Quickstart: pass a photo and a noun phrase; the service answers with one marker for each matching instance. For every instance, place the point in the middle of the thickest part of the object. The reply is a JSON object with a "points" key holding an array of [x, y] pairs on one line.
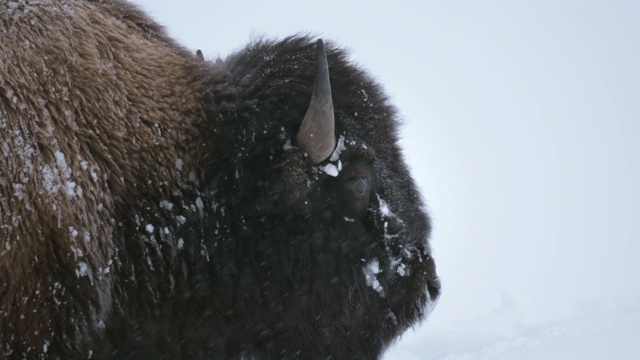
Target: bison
{"points": [[155, 205]]}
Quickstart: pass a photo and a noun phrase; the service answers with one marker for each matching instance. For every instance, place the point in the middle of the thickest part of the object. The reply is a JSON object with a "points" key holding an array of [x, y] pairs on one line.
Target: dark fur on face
{"points": [[159, 207]]}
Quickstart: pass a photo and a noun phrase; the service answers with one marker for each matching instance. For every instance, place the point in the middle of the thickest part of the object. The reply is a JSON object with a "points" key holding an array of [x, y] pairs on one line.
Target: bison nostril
{"points": [[434, 287]]}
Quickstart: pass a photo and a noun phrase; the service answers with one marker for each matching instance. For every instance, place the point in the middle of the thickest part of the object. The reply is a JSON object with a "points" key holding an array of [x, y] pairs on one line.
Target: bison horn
{"points": [[316, 135]]}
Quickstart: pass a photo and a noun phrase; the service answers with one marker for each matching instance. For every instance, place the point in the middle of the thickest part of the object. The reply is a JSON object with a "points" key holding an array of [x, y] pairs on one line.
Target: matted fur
{"points": [[89, 90], [152, 204]]}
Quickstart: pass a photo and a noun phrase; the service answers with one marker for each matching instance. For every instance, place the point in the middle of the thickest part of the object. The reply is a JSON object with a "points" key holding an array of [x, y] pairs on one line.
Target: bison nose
{"points": [[433, 288], [433, 284]]}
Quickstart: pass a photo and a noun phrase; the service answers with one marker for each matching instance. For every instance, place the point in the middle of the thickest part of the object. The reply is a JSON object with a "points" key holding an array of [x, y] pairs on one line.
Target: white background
{"points": [[522, 127]]}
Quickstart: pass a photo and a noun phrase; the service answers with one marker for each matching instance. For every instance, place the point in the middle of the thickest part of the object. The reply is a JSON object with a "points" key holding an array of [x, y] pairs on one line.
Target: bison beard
{"points": [[154, 205]]}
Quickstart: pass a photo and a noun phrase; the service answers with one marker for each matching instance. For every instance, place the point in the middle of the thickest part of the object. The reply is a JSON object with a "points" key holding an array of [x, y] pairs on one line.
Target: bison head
{"points": [[315, 204]]}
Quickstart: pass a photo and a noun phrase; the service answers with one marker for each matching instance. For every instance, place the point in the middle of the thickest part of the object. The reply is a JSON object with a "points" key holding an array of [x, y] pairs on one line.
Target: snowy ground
{"points": [[607, 330]]}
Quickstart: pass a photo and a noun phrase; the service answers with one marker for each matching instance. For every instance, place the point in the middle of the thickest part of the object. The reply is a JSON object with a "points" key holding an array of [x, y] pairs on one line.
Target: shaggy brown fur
{"points": [[86, 90]]}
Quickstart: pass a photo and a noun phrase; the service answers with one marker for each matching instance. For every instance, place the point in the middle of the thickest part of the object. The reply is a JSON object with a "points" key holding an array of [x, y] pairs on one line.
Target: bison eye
{"points": [[357, 182], [360, 186]]}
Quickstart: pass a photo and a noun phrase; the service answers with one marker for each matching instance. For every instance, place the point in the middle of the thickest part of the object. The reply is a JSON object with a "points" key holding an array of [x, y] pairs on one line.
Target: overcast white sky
{"points": [[522, 128]]}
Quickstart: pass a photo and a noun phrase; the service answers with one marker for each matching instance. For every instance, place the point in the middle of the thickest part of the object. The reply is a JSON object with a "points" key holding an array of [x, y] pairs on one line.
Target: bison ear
{"points": [[199, 55], [316, 135]]}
